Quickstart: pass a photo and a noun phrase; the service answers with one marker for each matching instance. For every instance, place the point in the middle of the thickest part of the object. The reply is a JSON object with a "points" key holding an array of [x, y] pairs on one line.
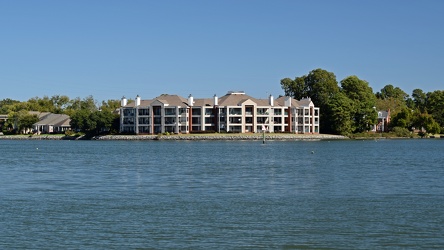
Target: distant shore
{"points": [[189, 137]]}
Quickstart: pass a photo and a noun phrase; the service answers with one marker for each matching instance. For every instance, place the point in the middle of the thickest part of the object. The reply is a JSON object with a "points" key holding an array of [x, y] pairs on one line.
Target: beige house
{"points": [[233, 112], [51, 123]]}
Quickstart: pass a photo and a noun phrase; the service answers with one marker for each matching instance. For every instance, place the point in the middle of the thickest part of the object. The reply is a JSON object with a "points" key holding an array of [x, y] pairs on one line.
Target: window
{"points": [[157, 120], [195, 120], [183, 119], [277, 111], [144, 112], [144, 129], [170, 111], [236, 129], [157, 129], [144, 120], [262, 120], [236, 120], [170, 120], [182, 111], [157, 110], [235, 111], [196, 111], [128, 112], [208, 111], [277, 120], [209, 120], [128, 120], [128, 129], [262, 111]]}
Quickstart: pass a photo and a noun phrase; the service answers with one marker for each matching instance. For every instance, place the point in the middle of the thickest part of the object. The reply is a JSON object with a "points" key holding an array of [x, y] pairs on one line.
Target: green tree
{"points": [[340, 112], [21, 120], [44, 104], [320, 85], [435, 106], [80, 120], [76, 104], [363, 100], [60, 103], [294, 88], [403, 119], [391, 98], [420, 99], [103, 120], [6, 104], [426, 121], [110, 105]]}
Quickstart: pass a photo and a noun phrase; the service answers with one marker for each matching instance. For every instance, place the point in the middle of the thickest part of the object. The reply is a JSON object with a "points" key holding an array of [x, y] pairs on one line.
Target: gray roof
{"points": [[382, 114], [55, 120]]}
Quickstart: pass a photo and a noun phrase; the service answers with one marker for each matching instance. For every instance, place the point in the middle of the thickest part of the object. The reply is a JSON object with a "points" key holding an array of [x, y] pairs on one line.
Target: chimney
{"points": [[123, 102], [287, 102], [216, 100], [190, 100], [137, 100], [271, 100]]}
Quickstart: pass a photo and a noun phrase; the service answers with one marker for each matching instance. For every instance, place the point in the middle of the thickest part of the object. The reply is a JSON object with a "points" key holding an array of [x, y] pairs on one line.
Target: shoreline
{"points": [[186, 137]]}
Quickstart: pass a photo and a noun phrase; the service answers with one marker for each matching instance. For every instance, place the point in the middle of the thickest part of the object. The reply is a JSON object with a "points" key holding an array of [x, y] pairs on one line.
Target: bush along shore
{"points": [[189, 137]]}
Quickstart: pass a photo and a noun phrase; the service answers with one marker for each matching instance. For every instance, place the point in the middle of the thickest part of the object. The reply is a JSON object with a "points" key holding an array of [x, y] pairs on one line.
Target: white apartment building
{"points": [[233, 112]]}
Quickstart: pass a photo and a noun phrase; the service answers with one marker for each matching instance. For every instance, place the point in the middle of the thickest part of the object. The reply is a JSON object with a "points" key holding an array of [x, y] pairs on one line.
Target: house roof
{"points": [[383, 114], [54, 119], [173, 100], [230, 99], [235, 99], [204, 102]]}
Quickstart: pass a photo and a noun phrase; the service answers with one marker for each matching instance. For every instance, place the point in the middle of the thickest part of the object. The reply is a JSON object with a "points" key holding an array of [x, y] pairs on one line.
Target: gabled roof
{"points": [[55, 120], [171, 100], [143, 103], [305, 102], [204, 102], [235, 99]]}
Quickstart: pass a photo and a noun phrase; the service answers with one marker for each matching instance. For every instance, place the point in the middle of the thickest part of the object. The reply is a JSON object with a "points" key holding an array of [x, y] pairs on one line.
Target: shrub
{"points": [[69, 133], [401, 132]]}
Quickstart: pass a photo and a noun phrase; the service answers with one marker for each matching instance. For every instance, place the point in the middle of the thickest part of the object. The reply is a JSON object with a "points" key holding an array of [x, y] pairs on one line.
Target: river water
{"points": [[222, 194]]}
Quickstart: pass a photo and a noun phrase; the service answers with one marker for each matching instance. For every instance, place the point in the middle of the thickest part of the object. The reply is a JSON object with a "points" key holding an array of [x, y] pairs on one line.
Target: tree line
{"points": [[351, 106], [347, 107], [86, 115]]}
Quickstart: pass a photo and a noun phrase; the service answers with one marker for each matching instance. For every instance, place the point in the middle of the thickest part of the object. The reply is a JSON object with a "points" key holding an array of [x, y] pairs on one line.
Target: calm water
{"points": [[224, 195]]}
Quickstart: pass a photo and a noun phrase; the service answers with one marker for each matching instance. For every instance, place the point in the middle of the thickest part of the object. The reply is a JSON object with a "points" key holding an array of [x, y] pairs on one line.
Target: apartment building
{"points": [[233, 112]]}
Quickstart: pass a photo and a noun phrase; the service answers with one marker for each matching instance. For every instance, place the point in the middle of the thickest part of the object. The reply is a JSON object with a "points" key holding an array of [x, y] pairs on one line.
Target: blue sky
{"points": [[108, 49]]}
